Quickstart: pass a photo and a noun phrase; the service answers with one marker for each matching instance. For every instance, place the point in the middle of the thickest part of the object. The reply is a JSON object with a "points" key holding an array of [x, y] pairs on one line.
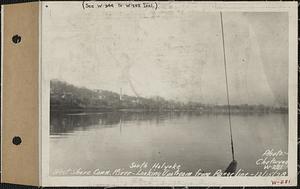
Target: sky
{"points": [[172, 53]]}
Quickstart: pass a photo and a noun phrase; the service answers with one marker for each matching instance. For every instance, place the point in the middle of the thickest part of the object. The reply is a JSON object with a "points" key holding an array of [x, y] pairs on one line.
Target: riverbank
{"points": [[204, 111]]}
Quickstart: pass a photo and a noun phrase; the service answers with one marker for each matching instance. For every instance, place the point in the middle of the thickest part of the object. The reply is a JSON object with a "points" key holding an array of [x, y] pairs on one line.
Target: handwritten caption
{"points": [[273, 160], [273, 163], [111, 5]]}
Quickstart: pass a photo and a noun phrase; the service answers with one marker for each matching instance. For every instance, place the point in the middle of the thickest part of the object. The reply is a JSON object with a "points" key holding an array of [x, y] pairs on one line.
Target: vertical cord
{"points": [[227, 91]]}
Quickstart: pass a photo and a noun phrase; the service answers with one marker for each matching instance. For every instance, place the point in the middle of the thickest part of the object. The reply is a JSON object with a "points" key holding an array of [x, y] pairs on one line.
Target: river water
{"points": [[194, 141]]}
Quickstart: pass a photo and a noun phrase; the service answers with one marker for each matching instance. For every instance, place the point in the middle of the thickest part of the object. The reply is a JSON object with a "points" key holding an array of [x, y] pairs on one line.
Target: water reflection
{"points": [[114, 140], [62, 123]]}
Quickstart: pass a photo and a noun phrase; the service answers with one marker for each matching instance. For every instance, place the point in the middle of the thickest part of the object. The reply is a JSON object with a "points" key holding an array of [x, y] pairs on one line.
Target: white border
{"points": [[2, 51], [291, 8], [39, 95]]}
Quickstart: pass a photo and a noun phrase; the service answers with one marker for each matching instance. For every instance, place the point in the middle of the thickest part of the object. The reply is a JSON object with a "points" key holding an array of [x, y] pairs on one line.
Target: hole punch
{"points": [[16, 39], [17, 140]]}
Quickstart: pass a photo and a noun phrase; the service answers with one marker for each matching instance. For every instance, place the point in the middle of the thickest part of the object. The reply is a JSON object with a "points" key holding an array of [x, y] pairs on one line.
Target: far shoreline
{"points": [[141, 110]]}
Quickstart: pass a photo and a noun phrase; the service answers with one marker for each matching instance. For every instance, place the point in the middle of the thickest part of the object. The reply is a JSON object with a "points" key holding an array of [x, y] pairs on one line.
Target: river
{"points": [[113, 140]]}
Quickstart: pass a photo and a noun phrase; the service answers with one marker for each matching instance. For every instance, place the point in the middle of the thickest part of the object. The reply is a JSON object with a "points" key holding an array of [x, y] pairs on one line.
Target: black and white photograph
{"points": [[162, 89]]}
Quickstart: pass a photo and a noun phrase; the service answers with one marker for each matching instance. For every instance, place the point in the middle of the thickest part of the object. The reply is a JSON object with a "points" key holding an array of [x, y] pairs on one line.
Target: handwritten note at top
{"points": [[110, 5]]}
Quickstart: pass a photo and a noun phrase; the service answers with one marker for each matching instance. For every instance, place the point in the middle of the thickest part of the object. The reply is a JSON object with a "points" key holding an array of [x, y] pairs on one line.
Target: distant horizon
{"points": [[149, 97]]}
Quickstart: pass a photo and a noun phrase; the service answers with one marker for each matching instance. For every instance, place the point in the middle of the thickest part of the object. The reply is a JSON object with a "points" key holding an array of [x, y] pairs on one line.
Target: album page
{"points": [[168, 93]]}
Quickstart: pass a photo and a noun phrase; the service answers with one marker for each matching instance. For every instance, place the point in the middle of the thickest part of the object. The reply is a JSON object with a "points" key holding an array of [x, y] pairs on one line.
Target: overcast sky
{"points": [[174, 54]]}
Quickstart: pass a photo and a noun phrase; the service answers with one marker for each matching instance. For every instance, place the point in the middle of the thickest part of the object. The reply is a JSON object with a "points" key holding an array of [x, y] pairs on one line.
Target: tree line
{"points": [[65, 96]]}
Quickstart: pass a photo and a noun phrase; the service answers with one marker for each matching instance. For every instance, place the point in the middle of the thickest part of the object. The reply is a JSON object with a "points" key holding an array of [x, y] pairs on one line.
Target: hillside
{"points": [[67, 97]]}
